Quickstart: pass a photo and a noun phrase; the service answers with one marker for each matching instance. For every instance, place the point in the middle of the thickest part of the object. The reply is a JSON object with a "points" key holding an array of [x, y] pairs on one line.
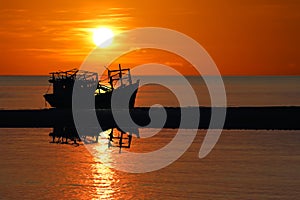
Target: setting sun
{"points": [[103, 37]]}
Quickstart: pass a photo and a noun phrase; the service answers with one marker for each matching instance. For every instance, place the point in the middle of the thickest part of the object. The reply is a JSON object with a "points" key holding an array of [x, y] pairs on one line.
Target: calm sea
{"points": [[262, 164]]}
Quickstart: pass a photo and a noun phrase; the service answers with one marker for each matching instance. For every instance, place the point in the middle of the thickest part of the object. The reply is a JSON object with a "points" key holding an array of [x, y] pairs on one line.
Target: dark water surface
{"points": [[243, 165], [25, 92], [262, 164]]}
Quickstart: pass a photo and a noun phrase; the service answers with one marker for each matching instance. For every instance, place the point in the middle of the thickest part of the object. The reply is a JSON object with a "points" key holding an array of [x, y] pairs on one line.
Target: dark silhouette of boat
{"points": [[118, 82]]}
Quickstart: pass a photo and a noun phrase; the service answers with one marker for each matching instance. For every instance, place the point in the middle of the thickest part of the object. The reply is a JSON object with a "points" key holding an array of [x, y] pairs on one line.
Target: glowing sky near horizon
{"points": [[247, 37]]}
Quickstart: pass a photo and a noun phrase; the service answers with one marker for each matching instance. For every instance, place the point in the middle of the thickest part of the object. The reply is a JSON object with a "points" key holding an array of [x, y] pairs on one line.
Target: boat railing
{"points": [[119, 75], [74, 74]]}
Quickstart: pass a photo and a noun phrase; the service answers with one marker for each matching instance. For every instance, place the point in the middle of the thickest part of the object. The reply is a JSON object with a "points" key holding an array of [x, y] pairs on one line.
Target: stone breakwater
{"points": [[277, 118]]}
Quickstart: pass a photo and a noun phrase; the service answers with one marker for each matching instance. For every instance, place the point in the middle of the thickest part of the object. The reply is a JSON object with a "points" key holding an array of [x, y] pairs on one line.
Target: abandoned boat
{"points": [[119, 83]]}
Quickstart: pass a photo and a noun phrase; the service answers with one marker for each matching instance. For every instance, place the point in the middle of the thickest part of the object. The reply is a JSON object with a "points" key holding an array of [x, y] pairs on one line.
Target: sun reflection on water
{"points": [[105, 179]]}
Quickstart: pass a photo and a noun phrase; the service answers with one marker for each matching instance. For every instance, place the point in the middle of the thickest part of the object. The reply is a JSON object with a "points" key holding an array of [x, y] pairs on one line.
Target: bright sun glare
{"points": [[103, 37]]}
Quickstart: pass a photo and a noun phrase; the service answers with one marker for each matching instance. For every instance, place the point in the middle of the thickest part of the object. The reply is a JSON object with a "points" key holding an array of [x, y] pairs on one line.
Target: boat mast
{"points": [[120, 74]]}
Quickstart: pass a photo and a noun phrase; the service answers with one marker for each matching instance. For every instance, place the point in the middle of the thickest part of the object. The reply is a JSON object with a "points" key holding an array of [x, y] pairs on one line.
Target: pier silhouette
{"points": [[280, 117]]}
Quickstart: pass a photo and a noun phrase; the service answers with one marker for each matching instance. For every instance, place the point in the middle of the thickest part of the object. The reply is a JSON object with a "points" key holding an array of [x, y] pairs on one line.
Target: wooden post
{"points": [[110, 79], [120, 74], [129, 77]]}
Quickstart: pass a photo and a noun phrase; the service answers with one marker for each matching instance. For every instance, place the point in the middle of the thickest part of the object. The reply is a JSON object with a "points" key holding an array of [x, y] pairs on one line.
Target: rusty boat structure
{"points": [[118, 81]]}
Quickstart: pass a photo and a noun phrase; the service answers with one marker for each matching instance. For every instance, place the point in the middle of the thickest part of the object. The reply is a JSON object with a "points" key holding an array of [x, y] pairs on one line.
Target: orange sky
{"points": [[249, 37]]}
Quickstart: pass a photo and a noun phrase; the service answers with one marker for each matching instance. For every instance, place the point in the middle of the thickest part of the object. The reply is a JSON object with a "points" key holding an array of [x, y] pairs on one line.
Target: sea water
{"points": [[244, 164], [26, 92]]}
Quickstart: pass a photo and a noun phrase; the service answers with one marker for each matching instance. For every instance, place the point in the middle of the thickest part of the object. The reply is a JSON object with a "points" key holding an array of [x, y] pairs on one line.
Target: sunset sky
{"points": [[248, 37]]}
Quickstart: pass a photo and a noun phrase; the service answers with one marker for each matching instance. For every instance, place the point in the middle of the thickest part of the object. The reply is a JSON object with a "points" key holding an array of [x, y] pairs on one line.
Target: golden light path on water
{"points": [[104, 178]]}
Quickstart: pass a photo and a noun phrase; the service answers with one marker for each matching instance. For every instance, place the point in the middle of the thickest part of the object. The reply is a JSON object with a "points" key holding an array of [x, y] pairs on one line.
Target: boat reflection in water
{"points": [[65, 134], [102, 180]]}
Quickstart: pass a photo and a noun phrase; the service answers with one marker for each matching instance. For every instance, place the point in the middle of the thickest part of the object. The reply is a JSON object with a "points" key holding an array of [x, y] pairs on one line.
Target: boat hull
{"points": [[102, 101]]}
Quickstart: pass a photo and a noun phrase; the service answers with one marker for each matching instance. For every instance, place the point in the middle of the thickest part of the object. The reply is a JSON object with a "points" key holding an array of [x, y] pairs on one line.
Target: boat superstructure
{"points": [[118, 82]]}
